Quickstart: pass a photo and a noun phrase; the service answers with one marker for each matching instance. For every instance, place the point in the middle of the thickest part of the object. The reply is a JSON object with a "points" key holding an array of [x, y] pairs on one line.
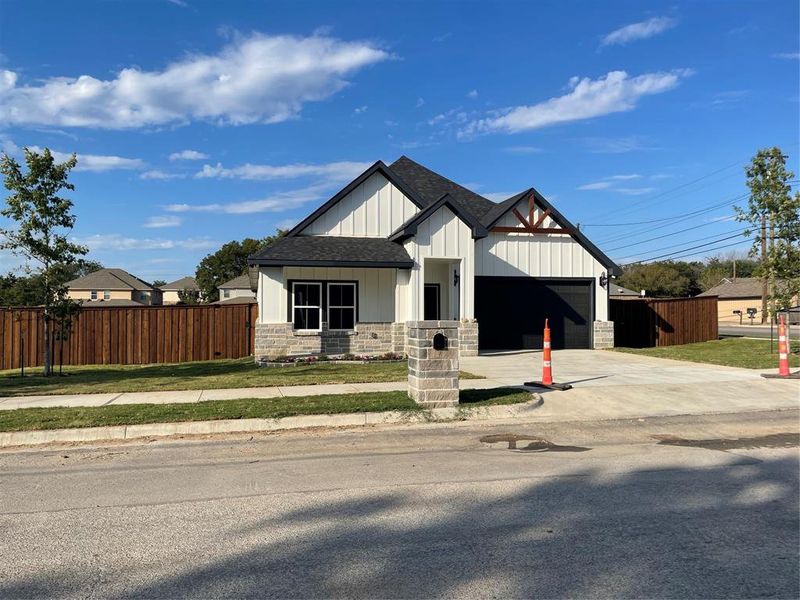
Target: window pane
{"points": [[348, 318], [348, 295], [300, 294], [314, 295], [312, 318], [335, 318], [334, 294]]}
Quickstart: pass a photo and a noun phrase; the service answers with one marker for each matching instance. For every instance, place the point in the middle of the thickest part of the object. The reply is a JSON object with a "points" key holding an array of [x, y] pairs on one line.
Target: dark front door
{"points": [[432, 304], [511, 312]]}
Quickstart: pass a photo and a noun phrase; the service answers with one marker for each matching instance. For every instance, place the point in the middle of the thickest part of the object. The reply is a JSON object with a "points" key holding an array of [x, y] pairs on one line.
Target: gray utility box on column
{"points": [[433, 363]]}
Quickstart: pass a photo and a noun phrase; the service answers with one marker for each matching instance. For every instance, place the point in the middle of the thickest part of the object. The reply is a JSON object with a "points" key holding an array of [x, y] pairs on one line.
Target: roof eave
{"points": [[281, 262]]}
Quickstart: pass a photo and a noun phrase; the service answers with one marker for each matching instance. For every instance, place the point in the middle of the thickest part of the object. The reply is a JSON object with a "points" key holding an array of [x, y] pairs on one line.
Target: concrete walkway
{"points": [[607, 385]]}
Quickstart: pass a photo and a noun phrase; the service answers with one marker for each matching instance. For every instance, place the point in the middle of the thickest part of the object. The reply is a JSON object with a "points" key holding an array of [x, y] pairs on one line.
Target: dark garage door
{"points": [[511, 312]]}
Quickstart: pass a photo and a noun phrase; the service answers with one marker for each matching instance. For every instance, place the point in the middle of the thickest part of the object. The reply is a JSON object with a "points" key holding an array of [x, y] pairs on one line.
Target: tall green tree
{"points": [[28, 290], [43, 220], [773, 217], [228, 262], [658, 279]]}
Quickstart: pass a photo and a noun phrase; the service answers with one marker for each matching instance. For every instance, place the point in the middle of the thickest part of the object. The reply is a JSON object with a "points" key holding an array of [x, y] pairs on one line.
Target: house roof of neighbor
{"points": [[741, 287], [237, 300], [428, 190], [114, 302], [329, 251], [109, 279], [242, 282], [184, 283], [618, 290]]}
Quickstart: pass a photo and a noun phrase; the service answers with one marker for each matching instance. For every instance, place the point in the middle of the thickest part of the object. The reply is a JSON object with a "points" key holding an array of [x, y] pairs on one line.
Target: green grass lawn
{"points": [[732, 352], [28, 419], [204, 375]]}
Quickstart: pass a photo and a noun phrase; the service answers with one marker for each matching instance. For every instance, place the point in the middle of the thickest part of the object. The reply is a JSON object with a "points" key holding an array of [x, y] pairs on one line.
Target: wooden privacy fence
{"points": [[645, 322], [131, 335]]}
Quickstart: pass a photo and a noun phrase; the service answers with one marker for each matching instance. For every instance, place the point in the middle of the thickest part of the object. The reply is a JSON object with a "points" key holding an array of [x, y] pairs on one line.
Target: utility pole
{"points": [[734, 269], [764, 278]]}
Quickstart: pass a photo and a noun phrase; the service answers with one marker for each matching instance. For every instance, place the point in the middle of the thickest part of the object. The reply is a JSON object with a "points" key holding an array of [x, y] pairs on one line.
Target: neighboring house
{"points": [[238, 287], [401, 243], [171, 291], [737, 295], [617, 291], [115, 287]]}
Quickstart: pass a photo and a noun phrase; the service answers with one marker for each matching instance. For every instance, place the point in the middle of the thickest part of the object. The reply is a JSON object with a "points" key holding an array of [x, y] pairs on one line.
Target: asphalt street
{"points": [[678, 507], [757, 331]]}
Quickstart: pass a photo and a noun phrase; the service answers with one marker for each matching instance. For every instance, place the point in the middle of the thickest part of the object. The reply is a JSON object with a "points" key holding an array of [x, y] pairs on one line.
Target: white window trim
{"points": [[319, 308], [354, 305], [106, 294]]}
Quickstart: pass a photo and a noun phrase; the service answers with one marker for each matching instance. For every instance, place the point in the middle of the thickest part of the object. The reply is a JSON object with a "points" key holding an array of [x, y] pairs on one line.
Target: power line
{"points": [[741, 231], [705, 209], [695, 253], [659, 237], [668, 254]]}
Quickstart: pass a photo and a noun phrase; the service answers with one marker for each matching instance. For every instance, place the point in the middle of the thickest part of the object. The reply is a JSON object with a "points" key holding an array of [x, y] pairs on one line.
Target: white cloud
{"points": [[116, 241], [337, 171], [787, 55], [598, 185], [638, 31], [286, 224], [96, 163], [255, 78], [472, 94], [634, 191], [624, 177], [390, 123], [161, 222], [616, 145], [360, 109], [420, 102], [277, 202], [160, 175], [523, 149], [587, 98], [188, 155], [180, 3]]}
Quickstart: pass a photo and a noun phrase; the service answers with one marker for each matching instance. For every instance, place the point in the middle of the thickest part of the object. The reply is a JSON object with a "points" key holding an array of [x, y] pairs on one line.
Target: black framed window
{"points": [[307, 305], [341, 305]]}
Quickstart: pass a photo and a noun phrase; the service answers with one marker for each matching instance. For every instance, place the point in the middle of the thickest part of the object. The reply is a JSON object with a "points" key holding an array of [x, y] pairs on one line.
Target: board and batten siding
{"points": [[441, 235], [376, 291], [376, 208], [525, 255]]}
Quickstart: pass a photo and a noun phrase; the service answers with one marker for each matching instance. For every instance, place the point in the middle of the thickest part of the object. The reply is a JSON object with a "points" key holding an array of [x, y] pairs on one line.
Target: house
{"points": [[401, 243], [616, 292], [738, 294], [113, 287], [171, 291], [236, 291]]}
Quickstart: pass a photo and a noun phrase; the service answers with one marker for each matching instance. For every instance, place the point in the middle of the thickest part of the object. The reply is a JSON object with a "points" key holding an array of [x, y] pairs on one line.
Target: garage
{"points": [[511, 312]]}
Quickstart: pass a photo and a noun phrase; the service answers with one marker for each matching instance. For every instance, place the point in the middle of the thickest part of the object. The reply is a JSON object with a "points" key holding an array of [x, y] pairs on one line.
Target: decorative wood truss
{"points": [[530, 225]]}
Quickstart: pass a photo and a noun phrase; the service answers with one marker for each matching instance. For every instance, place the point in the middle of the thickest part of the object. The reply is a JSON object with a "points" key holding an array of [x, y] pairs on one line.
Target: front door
{"points": [[432, 308]]}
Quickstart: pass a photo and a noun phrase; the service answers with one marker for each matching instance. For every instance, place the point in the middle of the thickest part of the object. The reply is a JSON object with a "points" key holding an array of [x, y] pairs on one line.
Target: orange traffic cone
{"points": [[547, 366], [783, 354]]}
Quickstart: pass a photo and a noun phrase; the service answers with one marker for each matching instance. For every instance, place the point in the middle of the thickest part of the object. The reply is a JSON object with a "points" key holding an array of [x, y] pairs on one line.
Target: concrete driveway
{"points": [[614, 384]]}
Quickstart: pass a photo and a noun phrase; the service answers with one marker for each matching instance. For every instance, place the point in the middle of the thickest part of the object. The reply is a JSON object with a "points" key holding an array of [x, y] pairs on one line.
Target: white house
{"points": [[401, 243]]}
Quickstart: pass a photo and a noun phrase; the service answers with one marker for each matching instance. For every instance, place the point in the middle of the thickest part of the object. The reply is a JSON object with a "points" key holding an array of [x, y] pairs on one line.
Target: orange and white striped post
{"points": [[547, 361], [783, 349]]}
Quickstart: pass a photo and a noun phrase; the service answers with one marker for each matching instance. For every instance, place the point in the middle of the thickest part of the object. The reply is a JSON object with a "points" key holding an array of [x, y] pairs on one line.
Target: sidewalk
{"points": [[178, 397]]}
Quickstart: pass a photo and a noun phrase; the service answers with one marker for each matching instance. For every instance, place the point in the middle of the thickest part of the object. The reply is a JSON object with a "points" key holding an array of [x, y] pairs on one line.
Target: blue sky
{"points": [[200, 122]]}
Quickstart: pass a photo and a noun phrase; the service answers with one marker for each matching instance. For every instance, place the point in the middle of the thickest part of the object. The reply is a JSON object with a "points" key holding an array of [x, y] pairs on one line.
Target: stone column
{"points": [[433, 373]]}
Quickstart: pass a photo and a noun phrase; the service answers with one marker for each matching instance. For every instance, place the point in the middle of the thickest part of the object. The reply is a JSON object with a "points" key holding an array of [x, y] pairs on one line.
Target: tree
{"points": [[658, 279], [159, 282], [43, 222], [64, 312], [228, 262], [188, 296], [28, 290], [773, 216]]}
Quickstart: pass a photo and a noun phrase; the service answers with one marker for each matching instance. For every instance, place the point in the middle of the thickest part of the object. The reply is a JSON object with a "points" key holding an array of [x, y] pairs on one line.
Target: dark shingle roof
{"points": [[242, 282], [109, 279], [742, 287], [332, 251], [238, 300], [618, 290], [431, 187], [184, 283]]}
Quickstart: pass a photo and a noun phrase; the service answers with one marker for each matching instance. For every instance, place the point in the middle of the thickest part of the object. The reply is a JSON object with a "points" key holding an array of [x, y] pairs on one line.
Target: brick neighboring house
{"points": [[171, 291], [738, 295], [236, 291], [113, 287]]}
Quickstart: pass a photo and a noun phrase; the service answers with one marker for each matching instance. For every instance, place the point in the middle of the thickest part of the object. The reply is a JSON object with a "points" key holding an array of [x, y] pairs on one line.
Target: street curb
{"points": [[150, 430]]}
